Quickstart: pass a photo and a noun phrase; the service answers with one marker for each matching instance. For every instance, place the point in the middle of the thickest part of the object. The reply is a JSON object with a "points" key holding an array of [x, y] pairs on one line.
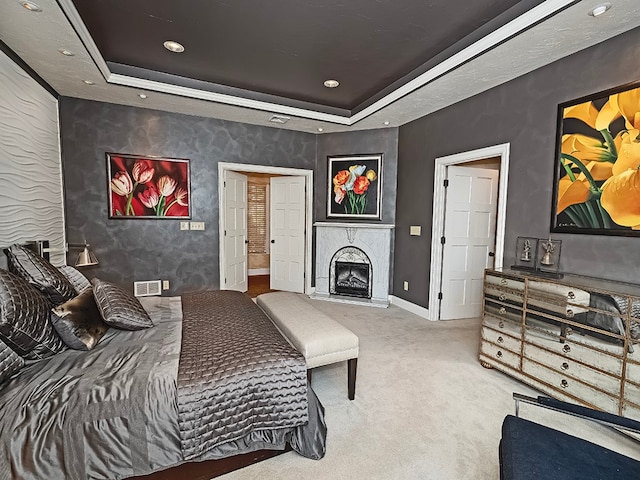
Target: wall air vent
{"points": [[281, 119], [147, 289]]}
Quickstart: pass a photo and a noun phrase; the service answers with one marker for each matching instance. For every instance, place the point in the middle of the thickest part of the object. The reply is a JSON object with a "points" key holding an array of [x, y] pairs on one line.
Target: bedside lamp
{"points": [[86, 257]]}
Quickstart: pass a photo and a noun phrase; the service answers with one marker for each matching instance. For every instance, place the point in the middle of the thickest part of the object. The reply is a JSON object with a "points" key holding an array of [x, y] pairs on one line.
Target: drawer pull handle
{"points": [[569, 313], [571, 295], [499, 354], [501, 325], [502, 310], [566, 349], [500, 340], [502, 297], [503, 281], [565, 366], [564, 384]]}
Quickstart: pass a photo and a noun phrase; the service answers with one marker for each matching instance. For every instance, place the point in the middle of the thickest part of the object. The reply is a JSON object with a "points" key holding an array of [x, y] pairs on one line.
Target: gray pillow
{"points": [[118, 307], [40, 273], [78, 280], [78, 321], [10, 362], [24, 319]]}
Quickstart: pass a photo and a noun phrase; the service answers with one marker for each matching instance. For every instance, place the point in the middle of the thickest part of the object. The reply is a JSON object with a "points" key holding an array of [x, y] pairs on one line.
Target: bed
{"points": [[210, 379]]}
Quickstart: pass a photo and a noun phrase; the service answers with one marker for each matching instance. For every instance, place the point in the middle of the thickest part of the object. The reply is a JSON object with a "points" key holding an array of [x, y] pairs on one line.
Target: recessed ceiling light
{"points": [[599, 9], [142, 95], [320, 129], [32, 7], [89, 82], [331, 83], [66, 53], [387, 122], [173, 46]]}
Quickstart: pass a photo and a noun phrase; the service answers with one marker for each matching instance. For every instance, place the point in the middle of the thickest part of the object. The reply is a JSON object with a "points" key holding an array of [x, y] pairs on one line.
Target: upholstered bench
{"points": [[318, 337]]}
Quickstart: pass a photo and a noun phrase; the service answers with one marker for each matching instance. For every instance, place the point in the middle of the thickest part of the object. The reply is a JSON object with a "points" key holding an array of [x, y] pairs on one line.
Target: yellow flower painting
{"points": [[598, 182]]}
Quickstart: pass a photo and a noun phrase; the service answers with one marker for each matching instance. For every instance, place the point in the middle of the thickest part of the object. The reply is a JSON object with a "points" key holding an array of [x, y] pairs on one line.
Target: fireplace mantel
{"points": [[374, 239]]}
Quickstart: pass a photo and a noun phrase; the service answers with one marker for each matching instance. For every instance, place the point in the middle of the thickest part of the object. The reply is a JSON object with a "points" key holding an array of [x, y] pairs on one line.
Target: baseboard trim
{"points": [[410, 307], [252, 272]]}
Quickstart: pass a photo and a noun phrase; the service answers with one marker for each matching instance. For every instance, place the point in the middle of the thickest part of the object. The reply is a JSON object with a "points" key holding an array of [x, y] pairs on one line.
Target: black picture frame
{"points": [[355, 186], [602, 201], [148, 187]]}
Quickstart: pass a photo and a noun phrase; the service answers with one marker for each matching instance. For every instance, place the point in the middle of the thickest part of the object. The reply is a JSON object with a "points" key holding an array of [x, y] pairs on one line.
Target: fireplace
{"points": [[367, 248], [352, 279], [350, 273]]}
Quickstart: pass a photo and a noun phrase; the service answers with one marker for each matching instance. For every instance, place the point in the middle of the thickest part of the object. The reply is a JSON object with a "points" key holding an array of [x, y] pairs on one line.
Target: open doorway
{"points": [[283, 200], [458, 255]]}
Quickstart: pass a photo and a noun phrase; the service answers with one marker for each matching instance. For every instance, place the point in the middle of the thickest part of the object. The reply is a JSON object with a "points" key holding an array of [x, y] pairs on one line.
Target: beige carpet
{"points": [[424, 407]]}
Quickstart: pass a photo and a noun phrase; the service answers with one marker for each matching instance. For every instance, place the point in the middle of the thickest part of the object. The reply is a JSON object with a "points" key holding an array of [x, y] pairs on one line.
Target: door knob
{"points": [[491, 254], [246, 241], [273, 241]]}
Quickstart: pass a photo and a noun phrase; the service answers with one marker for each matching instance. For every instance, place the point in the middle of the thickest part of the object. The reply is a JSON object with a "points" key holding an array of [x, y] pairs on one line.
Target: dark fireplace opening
{"points": [[352, 279]]}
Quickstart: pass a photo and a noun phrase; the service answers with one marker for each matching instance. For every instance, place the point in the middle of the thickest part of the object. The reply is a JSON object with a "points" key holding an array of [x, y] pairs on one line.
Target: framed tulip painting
{"points": [[597, 177], [354, 186], [148, 187]]}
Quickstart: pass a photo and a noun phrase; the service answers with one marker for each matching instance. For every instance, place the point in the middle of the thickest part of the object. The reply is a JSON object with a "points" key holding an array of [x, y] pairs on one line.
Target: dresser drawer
{"points": [[576, 351], [570, 386], [631, 411], [632, 392], [503, 324], [500, 355], [502, 340], [571, 368], [499, 283]]}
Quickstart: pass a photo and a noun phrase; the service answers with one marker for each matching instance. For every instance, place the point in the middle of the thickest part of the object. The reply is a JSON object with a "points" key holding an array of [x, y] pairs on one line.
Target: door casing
{"points": [[439, 198], [241, 167]]}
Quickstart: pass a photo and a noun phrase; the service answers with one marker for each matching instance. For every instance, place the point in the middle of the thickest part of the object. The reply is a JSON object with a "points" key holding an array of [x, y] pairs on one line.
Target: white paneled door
{"points": [[469, 239], [235, 231], [287, 233]]}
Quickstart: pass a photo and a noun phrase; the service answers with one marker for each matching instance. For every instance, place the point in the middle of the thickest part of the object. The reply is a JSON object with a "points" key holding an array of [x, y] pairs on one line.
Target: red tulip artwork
{"points": [[148, 187]]}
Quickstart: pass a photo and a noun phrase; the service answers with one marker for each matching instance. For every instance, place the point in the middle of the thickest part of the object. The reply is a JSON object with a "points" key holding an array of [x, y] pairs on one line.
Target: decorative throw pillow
{"points": [[118, 307], [78, 280], [78, 321], [10, 362], [24, 319], [40, 273]]}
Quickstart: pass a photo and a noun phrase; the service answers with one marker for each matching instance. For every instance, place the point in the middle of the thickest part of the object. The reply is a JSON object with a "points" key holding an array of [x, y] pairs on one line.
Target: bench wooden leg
{"points": [[309, 375], [352, 365]]}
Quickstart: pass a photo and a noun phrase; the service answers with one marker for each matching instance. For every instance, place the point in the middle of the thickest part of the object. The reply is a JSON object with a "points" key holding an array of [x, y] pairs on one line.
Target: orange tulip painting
{"points": [[597, 186], [354, 186], [148, 187]]}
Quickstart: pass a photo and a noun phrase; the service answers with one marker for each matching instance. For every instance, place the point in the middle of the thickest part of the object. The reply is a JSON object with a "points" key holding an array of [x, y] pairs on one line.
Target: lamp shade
{"points": [[86, 258]]}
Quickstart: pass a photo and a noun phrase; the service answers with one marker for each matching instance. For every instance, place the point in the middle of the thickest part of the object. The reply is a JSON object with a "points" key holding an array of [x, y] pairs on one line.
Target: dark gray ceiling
{"points": [[287, 48]]}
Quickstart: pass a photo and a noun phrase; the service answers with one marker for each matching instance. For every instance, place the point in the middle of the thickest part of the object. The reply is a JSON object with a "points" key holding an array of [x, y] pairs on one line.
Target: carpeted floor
{"points": [[424, 408]]}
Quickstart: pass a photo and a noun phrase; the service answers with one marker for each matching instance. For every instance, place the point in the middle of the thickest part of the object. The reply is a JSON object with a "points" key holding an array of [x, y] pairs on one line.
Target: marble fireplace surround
{"points": [[374, 239]]}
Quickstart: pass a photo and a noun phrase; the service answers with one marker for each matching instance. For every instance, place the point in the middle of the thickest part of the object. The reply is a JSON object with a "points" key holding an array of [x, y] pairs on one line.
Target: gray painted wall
{"points": [[156, 249], [524, 113]]}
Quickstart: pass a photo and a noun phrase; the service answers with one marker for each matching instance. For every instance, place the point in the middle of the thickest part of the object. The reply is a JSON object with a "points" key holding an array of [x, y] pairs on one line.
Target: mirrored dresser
{"points": [[574, 338]]}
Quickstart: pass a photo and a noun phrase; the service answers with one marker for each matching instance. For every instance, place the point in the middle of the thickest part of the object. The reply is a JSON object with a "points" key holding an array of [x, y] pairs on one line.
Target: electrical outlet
{"points": [[197, 225], [165, 284], [184, 225], [406, 285]]}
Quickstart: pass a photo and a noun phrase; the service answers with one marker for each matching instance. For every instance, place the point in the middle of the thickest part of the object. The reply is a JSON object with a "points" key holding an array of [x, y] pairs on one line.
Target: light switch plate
{"points": [[415, 230], [184, 225], [197, 225], [165, 284], [406, 285]]}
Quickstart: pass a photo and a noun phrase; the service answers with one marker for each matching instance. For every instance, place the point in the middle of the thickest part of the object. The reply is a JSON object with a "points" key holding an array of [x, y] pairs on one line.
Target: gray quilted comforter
{"points": [[112, 412], [249, 379]]}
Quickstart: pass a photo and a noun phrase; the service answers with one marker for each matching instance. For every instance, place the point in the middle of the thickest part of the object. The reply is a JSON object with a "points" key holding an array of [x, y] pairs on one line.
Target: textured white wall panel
{"points": [[31, 202]]}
